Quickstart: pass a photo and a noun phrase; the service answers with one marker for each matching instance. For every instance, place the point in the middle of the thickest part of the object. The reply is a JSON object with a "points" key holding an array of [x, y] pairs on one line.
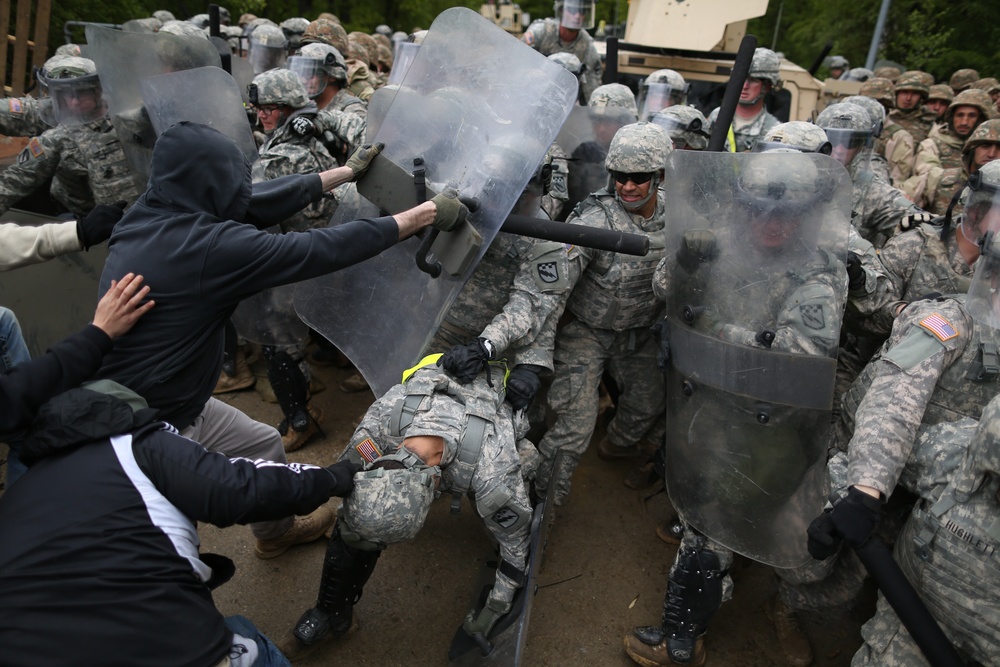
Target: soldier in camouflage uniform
{"points": [[565, 33], [887, 72], [21, 117], [82, 155], [992, 88], [327, 32], [894, 143], [662, 89], [342, 119], [752, 120], [280, 99], [294, 28], [911, 93], [427, 434], [877, 207], [938, 99], [949, 546], [838, 66], [613, 307], [614, 95], [183, 28], [876, 163], [963, 79], [943, 146], [687, 127]]}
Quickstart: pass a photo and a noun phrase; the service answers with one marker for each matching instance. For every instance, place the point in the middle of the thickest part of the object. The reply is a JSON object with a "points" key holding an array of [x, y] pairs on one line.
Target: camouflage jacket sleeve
{"points": [[810, 315], [863, 302], [899, 153], [19, 117], [35, 165], [23, 245], [502, 502], [928, 157], [662, 278], [882, 208], [898, 258], [347, 128], [905, 377]]}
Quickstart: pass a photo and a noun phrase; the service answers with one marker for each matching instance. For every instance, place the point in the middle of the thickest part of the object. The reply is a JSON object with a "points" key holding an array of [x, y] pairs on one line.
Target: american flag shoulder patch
{"points": [[940, 327], [367, 449], [35, 146], [14, 105]]}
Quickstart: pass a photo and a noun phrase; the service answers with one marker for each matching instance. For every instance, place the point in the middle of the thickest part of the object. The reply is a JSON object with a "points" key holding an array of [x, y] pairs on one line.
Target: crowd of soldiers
{"points": [[853, 257]]}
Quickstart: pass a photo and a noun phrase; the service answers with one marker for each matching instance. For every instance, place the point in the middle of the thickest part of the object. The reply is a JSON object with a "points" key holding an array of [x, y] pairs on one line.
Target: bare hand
{"points": [[120, 308]]}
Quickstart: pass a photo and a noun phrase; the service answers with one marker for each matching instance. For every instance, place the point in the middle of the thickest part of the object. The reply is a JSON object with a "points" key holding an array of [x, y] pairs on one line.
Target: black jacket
{"points": [[99, 560], [188, 236]]}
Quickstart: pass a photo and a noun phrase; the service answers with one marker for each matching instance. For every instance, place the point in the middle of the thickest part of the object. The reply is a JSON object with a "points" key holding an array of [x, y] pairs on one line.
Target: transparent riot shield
{"points": [[585, 137], [125, 58], [402, 59], [171, 98], [754, 307], [378, 107], [464, 95]]}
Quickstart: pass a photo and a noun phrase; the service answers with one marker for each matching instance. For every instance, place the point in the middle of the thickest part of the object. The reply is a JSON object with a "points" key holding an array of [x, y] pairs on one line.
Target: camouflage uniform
{"points": [[747, 134], [953, 468], [942, 149], [19, 117], [437, 405], [345, 118], [543, 36], [918, 122], [877, 207]]}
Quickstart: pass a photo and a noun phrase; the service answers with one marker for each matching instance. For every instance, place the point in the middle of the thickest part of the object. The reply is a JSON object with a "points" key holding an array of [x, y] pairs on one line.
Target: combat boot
{"points": [[304, 529], [235, 375], [316, 628], [793, 641], [670, 531], [610, 452], [296, 435], [648, 646]]}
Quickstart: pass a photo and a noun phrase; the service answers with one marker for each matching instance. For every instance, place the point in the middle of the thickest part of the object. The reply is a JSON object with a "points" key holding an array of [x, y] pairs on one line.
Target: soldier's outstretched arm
{"points": [[35, 165]]}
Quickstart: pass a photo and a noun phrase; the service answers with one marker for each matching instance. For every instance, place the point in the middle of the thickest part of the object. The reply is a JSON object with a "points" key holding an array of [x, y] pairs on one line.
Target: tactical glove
{"points": [[464, 362], [522, 385], [97, 226], [343, 474], [488, 616], [303, 126], [362, 159], [913, 219], [854, 519], [855, 272], [698, 246], [450, 211]]}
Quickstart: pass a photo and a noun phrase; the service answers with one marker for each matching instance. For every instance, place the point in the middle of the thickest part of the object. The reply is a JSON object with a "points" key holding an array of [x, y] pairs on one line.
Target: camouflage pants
{"points": [[581, 356]]}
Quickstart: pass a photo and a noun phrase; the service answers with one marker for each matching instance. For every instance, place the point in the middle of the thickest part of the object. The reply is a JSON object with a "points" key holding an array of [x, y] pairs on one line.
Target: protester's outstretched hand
{"points": [[121, 306]]}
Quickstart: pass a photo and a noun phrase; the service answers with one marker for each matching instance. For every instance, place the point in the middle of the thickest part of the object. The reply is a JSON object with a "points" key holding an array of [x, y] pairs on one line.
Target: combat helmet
{"points": [[888, 72], [324, 31], [776, 190], [913, 80], [294, 28], [315, 63], [962, 79], [859, 74], [661, 89], [989, 84], [875, 110], [391, 499], [278, 86], [686, 126], [162, 15], [183, 28], [766, 66], [574, 14], [838, 62], [880, 90], [798, 134], [568, 61], [268, 48], [941, 91], [848, 128], [383, 29], [987, 133], [366, 42], [639, 148], [72, 84], [199, 20], [614, 95]]}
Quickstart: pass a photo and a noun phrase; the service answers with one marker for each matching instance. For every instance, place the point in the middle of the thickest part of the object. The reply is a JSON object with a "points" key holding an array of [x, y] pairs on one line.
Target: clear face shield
{"points": [[847, 145], [263, 58], [983, 300], [72, 101], [402, 58], [577, 15], [656, 96], [981, 212], [311, 72], [824, 149]]}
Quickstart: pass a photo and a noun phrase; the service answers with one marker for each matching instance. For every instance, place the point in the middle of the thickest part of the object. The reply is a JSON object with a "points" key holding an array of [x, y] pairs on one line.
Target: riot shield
{"points": [[754, 304], [125, 58], [171, 98], [402, 59], [464, 95], [585, 137], [378, 107]]}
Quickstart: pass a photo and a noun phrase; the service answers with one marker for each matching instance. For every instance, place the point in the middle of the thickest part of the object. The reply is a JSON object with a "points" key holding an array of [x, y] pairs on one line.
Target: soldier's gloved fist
{"points": [[853, 519], [824, 540], [303, 126], [487, 617], [463, 362], [522, 385], [343, 474], [96, 226], [362, 158], [855, 272], [698, 246], [913, 219], [451, 211]]}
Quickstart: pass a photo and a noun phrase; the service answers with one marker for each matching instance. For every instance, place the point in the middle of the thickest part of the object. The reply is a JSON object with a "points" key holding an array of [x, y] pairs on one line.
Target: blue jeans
{"points": [[13, 351], [268, 654]]}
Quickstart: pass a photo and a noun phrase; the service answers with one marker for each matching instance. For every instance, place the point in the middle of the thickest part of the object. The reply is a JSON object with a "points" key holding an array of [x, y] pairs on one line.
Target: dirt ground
{"points": [[604, 572]]}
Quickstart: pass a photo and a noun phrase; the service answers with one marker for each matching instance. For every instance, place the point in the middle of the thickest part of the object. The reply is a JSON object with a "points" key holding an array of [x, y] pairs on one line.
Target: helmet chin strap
{"points": [[632, 207]]}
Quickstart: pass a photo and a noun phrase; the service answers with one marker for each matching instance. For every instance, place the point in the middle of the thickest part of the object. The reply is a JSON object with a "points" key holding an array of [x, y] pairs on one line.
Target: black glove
{"points": [[522, 385], [855, 272], [463, 362], [697, 247], [450, 211], [913, 219], [303, 126], [97, 226], [362, 159], [663, 349], [343, 474], [853, 519]]}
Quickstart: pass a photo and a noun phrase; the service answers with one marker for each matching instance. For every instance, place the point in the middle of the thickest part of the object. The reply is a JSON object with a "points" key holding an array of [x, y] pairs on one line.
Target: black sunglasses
{"points": [[622, 178]]}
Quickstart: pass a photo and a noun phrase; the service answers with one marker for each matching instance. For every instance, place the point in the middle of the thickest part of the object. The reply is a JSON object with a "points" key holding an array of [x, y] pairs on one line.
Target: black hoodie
{"points": [[193, 236]]}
